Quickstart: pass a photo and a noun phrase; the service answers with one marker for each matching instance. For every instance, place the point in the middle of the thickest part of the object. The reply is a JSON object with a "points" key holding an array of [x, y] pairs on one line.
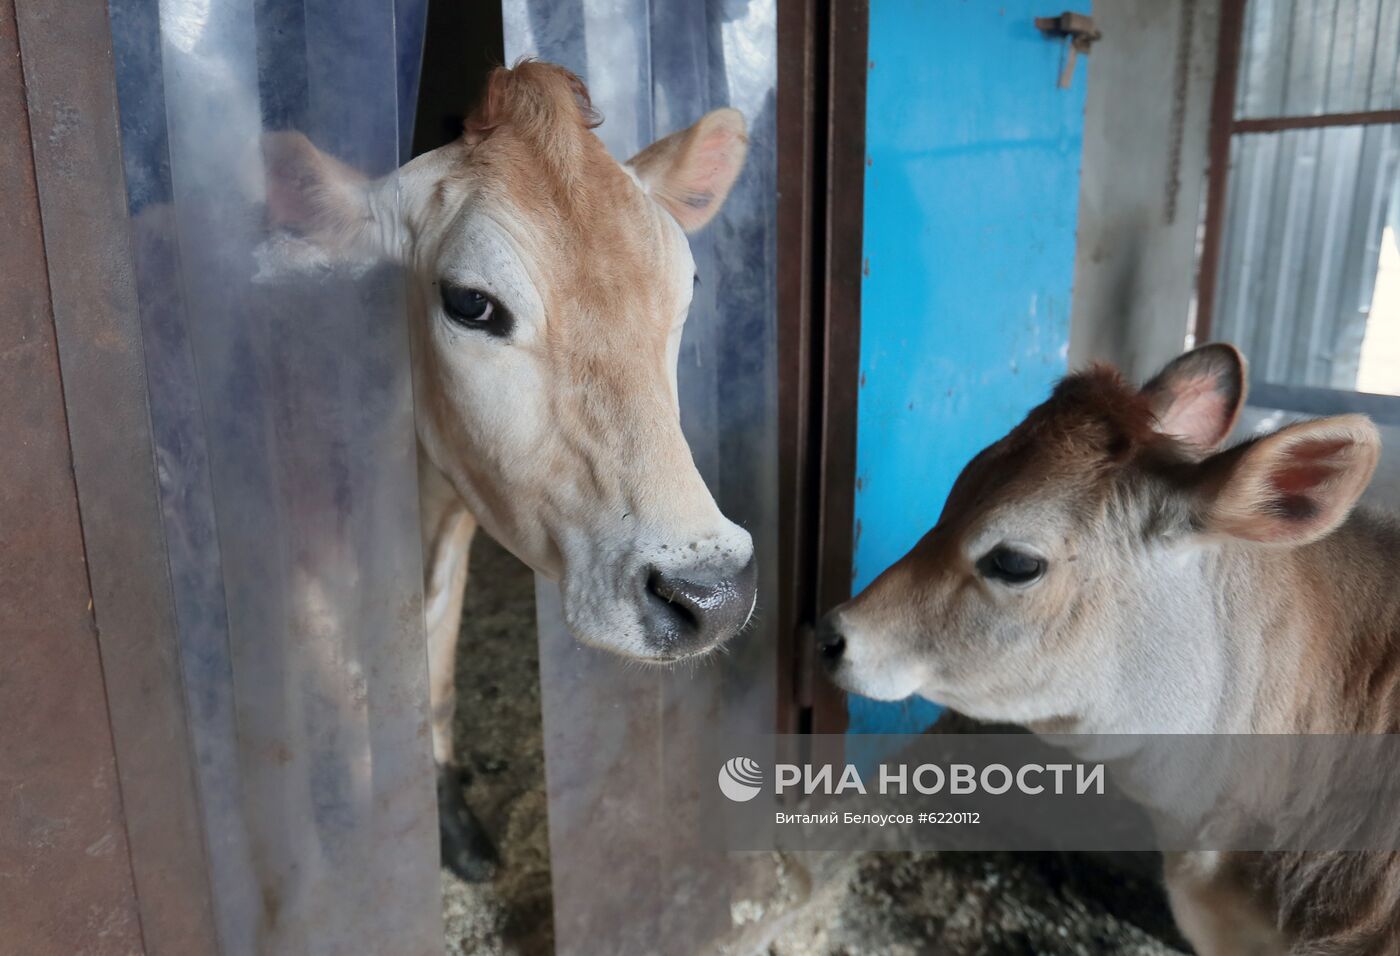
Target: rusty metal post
{"points": [[65, 876], [1222, 114], [69, 84]]}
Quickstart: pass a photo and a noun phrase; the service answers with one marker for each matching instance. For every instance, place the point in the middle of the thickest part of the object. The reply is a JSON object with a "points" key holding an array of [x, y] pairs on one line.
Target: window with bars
{"points": [[1300, 262]]}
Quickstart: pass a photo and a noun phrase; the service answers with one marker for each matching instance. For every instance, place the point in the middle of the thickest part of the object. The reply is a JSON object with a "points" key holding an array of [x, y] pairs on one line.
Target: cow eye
{"points": [[1010, 566], [474, 309]]}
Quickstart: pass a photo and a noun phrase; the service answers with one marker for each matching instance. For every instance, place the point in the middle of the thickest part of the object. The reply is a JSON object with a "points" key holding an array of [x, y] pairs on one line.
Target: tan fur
{"points": [[1212, 904], [690, 174], [531, 147], [448, 529]]}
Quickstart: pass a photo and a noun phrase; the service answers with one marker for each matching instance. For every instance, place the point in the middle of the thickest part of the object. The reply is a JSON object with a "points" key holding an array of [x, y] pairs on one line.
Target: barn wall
{"points": [[969, 245], [1143, 181]]}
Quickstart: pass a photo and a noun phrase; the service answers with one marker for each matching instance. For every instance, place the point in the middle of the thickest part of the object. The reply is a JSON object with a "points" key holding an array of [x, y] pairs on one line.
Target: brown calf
{"points": [[1105, 569]]}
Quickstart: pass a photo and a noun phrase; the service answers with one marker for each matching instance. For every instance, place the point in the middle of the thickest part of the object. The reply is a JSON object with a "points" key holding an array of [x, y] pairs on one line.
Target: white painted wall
{"points": [[1134, 276]]}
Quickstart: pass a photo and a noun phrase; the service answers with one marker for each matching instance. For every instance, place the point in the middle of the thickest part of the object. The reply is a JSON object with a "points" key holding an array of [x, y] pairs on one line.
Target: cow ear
{"points": [[1293, 486], [1197, 398], [326, 202], [691, 172]]}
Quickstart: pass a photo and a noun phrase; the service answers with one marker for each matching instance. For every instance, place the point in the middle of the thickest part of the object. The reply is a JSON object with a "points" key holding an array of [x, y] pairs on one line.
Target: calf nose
{"points": [[831, 643], [690, 610]]}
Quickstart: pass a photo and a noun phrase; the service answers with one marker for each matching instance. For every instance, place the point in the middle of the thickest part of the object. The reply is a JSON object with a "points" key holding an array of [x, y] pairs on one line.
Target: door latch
{"points": [[1081, 32]]}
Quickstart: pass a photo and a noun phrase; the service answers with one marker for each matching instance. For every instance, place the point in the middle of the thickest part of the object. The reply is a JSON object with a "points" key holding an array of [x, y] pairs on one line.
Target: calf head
{"points": [[1085, 522], [549, 285]]}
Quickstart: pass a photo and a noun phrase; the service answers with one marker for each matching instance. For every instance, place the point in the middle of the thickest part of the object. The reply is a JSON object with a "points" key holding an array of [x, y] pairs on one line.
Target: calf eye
{"points": [[474, 309], [1010, 566]]}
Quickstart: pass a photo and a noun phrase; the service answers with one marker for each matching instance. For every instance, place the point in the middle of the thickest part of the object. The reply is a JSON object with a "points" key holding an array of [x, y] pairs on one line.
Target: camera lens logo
{"points": [[740, 779]]}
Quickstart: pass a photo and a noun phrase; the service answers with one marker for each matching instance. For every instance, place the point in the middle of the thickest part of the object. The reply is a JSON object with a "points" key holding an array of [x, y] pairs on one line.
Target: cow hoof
{"points": [[466, 849]]}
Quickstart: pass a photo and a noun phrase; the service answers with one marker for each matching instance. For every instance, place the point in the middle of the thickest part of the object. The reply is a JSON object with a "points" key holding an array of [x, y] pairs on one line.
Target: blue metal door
{"points": [[971, 192]]}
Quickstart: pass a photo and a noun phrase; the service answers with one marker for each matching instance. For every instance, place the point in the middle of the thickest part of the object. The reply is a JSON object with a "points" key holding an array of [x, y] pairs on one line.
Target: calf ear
{"points": [[325, 201], [690, 172], [1295, 485], [1198, 397]]}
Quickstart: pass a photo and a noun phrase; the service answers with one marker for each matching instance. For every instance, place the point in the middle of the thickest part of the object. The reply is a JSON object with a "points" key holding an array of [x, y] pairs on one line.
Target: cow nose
{"points": [[691, 610], [831, 643]]}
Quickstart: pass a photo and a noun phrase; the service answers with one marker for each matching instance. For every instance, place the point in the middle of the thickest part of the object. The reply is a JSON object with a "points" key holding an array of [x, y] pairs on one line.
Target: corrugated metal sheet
{"points": [[1305, 57], [1307, 208], [1302, 240]]}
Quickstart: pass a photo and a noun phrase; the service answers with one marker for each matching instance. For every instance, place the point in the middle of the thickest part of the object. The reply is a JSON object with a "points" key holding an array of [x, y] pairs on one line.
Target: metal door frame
{"points": [[822, 67], [68, 121]]}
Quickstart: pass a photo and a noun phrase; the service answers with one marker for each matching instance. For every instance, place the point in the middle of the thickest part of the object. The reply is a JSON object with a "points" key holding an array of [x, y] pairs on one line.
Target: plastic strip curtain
{"points": [[632, 871], [280, 396]]}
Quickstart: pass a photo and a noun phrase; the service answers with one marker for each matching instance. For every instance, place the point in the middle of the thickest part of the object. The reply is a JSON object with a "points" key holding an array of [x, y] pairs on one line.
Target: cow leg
{"points": [[1214, 912], [447, 536]]}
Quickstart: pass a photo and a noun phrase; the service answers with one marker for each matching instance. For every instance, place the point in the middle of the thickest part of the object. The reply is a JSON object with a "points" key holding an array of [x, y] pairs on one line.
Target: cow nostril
{"points": [[692, 609], [833, 649], [831, 643], [679, 602]]}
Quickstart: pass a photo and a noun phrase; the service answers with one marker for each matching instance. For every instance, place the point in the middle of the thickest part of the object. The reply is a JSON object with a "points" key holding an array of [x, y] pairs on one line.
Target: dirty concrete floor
{"points": [[952, 904], [979, 904], [499, 737]]}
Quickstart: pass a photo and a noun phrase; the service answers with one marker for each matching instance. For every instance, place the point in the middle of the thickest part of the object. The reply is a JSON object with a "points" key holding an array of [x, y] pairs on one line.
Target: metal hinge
{"points": [[1081, 32]]}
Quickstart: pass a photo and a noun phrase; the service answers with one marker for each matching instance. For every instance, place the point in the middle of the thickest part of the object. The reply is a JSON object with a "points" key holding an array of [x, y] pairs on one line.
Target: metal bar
{"points": [[797, 519], [843, 130], [1276, 124], [65, 866], [1222, 110], [1306, 400], [821, 83], [70, 85]]}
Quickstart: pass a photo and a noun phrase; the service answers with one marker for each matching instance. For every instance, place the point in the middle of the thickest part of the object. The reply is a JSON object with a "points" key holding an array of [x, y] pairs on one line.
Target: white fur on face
{"points": [[947, 634], [1118, 636], [874, 666], [483, 405]]}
